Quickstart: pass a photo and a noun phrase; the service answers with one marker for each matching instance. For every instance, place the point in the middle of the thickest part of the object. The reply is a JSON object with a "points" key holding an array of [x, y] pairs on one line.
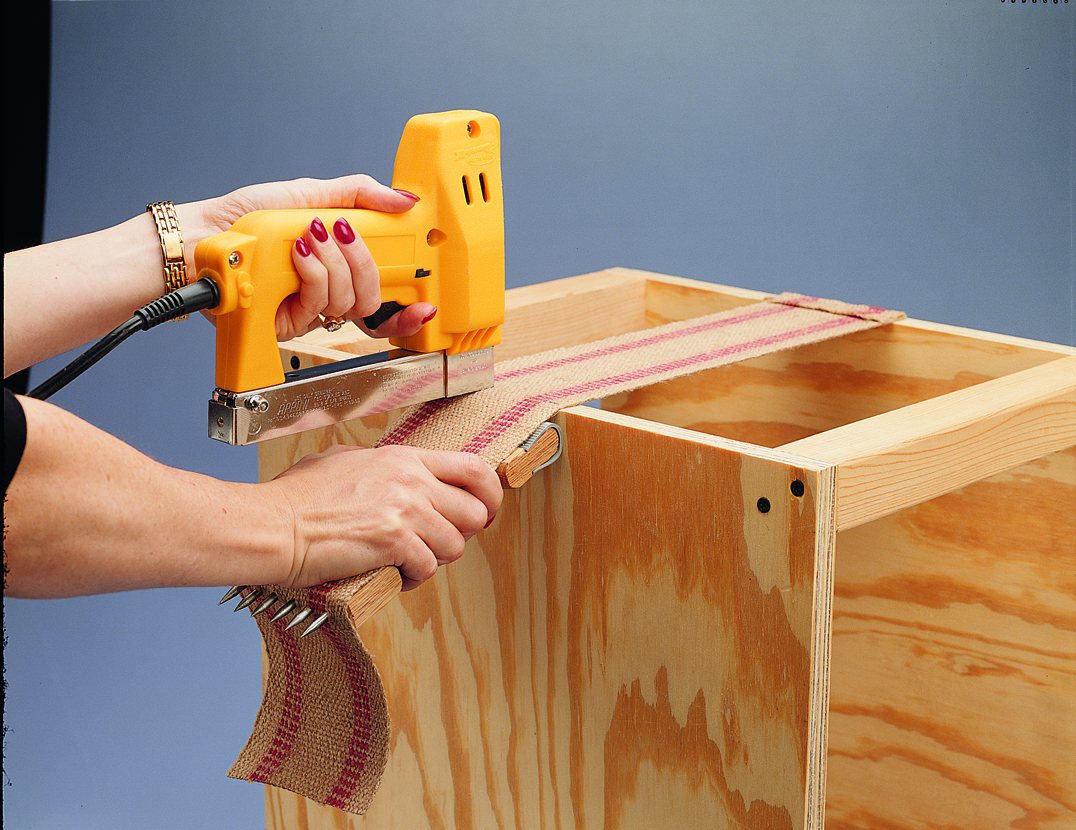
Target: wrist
{"points": [[252, 540], [196, 227]]}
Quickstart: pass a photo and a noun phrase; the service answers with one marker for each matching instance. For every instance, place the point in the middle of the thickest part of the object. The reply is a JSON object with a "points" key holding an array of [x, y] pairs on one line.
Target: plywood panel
{"points": [[953, 697], [615, 651]]}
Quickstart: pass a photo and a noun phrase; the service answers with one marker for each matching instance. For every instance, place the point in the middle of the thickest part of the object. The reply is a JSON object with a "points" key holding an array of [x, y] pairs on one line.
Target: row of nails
{"points": [[267, 602]]}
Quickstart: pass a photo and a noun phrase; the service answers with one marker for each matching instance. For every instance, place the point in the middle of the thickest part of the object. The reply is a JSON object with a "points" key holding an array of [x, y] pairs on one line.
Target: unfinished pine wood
{"points": [[912, 454], [382, 589], [654, 656], [953, 689], [577, 666], [787, 396], [517, 469], [571, 311]]}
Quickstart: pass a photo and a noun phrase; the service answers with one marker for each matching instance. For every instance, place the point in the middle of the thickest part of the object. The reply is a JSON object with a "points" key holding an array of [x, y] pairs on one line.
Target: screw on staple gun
{"points": [[448, 250]]}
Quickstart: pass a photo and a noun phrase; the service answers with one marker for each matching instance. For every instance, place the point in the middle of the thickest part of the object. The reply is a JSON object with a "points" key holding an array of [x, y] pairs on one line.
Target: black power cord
{"points": [[186, 300]]}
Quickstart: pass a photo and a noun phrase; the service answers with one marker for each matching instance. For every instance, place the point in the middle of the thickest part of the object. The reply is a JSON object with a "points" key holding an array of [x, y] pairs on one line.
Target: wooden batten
{"points": [[913, 454]]}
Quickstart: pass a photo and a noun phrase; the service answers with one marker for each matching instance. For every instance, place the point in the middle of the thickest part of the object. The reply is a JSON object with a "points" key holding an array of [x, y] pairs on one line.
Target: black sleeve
{"points": [[14, 435]]}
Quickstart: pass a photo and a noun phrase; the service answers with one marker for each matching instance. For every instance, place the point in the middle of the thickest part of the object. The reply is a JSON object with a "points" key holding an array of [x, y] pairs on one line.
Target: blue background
{"points": [[912, 154]]}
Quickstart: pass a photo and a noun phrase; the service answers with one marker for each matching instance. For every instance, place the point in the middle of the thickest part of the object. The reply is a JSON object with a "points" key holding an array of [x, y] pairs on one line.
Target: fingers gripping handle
{"points": [[447, 250], [251, 264]]}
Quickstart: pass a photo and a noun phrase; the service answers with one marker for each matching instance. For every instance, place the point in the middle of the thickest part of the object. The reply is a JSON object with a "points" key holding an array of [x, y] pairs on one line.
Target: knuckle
{"points": [[453, 550], [365, 306], [423, 569], [364, 182], [399, 455], [472, 467], [477, 517], [404, 477]]}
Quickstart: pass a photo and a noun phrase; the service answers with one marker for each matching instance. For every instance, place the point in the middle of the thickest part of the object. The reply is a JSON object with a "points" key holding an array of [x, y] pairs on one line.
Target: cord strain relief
{"points": [[161, 310]]}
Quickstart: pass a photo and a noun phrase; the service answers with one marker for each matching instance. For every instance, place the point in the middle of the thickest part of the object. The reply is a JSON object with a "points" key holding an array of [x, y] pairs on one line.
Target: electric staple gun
{"points": [[447, 250]]}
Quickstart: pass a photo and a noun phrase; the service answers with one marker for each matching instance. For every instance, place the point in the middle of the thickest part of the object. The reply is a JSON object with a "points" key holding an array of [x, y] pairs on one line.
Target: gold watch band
{"points": [[175, 267]]}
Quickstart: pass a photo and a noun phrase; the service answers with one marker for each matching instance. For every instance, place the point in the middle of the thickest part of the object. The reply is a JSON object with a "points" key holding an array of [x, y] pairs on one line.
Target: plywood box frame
{"points": [[835, 584]]}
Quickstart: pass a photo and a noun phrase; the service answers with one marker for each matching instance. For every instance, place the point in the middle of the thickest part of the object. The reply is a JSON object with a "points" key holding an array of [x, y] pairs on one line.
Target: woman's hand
{"points": [[75, 525], [338, 276], [355, 510]]}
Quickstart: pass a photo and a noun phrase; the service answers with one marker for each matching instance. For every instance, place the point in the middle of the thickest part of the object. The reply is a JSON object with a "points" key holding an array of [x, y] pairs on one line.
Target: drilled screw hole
{"points": [[797, 488]]}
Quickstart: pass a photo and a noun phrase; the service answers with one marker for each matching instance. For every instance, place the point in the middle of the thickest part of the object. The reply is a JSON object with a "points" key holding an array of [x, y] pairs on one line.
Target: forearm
{"points": [[64, 294], [67, 293], [86, 513]]}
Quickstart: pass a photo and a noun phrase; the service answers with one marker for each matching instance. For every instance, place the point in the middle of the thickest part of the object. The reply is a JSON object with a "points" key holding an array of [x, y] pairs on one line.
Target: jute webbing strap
{"points": [[323, 727]]}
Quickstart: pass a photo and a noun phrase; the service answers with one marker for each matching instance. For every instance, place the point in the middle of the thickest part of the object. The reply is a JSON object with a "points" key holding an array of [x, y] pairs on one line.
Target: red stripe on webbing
{"points": [[644, 342], [358, 750], [407, 426], [287, 728], [592, 389]]}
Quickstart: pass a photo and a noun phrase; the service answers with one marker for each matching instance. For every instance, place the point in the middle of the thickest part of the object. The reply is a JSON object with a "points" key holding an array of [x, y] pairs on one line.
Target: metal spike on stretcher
{"points": [[264, 605], [315, 625], [298, 618], [233, 592], [284, 610], [248, 600], [268, 601]]}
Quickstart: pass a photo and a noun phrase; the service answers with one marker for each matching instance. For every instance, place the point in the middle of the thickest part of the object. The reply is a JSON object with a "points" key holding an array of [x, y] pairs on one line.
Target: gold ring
{"points": [[332, 323]]}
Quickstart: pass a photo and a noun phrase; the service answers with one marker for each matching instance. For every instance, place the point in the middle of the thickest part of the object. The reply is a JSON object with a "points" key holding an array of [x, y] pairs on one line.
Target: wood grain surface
{"points": [[633, 643], [613, 651], [953, 696]]}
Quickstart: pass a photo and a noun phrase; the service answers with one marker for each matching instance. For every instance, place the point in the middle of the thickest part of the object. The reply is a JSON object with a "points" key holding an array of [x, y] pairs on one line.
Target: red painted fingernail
{"points": [[429, 316], [302, 247], [318, 229], [407, 194], [491, 518], [343, 231]]}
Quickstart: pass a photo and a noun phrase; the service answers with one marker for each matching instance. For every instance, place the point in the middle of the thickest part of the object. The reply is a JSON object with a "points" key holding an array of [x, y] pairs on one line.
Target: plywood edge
{"points": [[542, 292], [825, 561], [653, 278], [910, 455], [609, 277]]}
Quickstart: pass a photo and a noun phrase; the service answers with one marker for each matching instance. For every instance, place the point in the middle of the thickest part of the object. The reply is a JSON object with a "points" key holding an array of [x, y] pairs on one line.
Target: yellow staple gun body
{"points": [[447, 250]]}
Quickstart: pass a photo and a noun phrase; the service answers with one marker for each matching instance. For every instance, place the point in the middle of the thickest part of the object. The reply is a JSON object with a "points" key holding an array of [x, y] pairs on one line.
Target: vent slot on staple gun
{"points": [[483, 186]]}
